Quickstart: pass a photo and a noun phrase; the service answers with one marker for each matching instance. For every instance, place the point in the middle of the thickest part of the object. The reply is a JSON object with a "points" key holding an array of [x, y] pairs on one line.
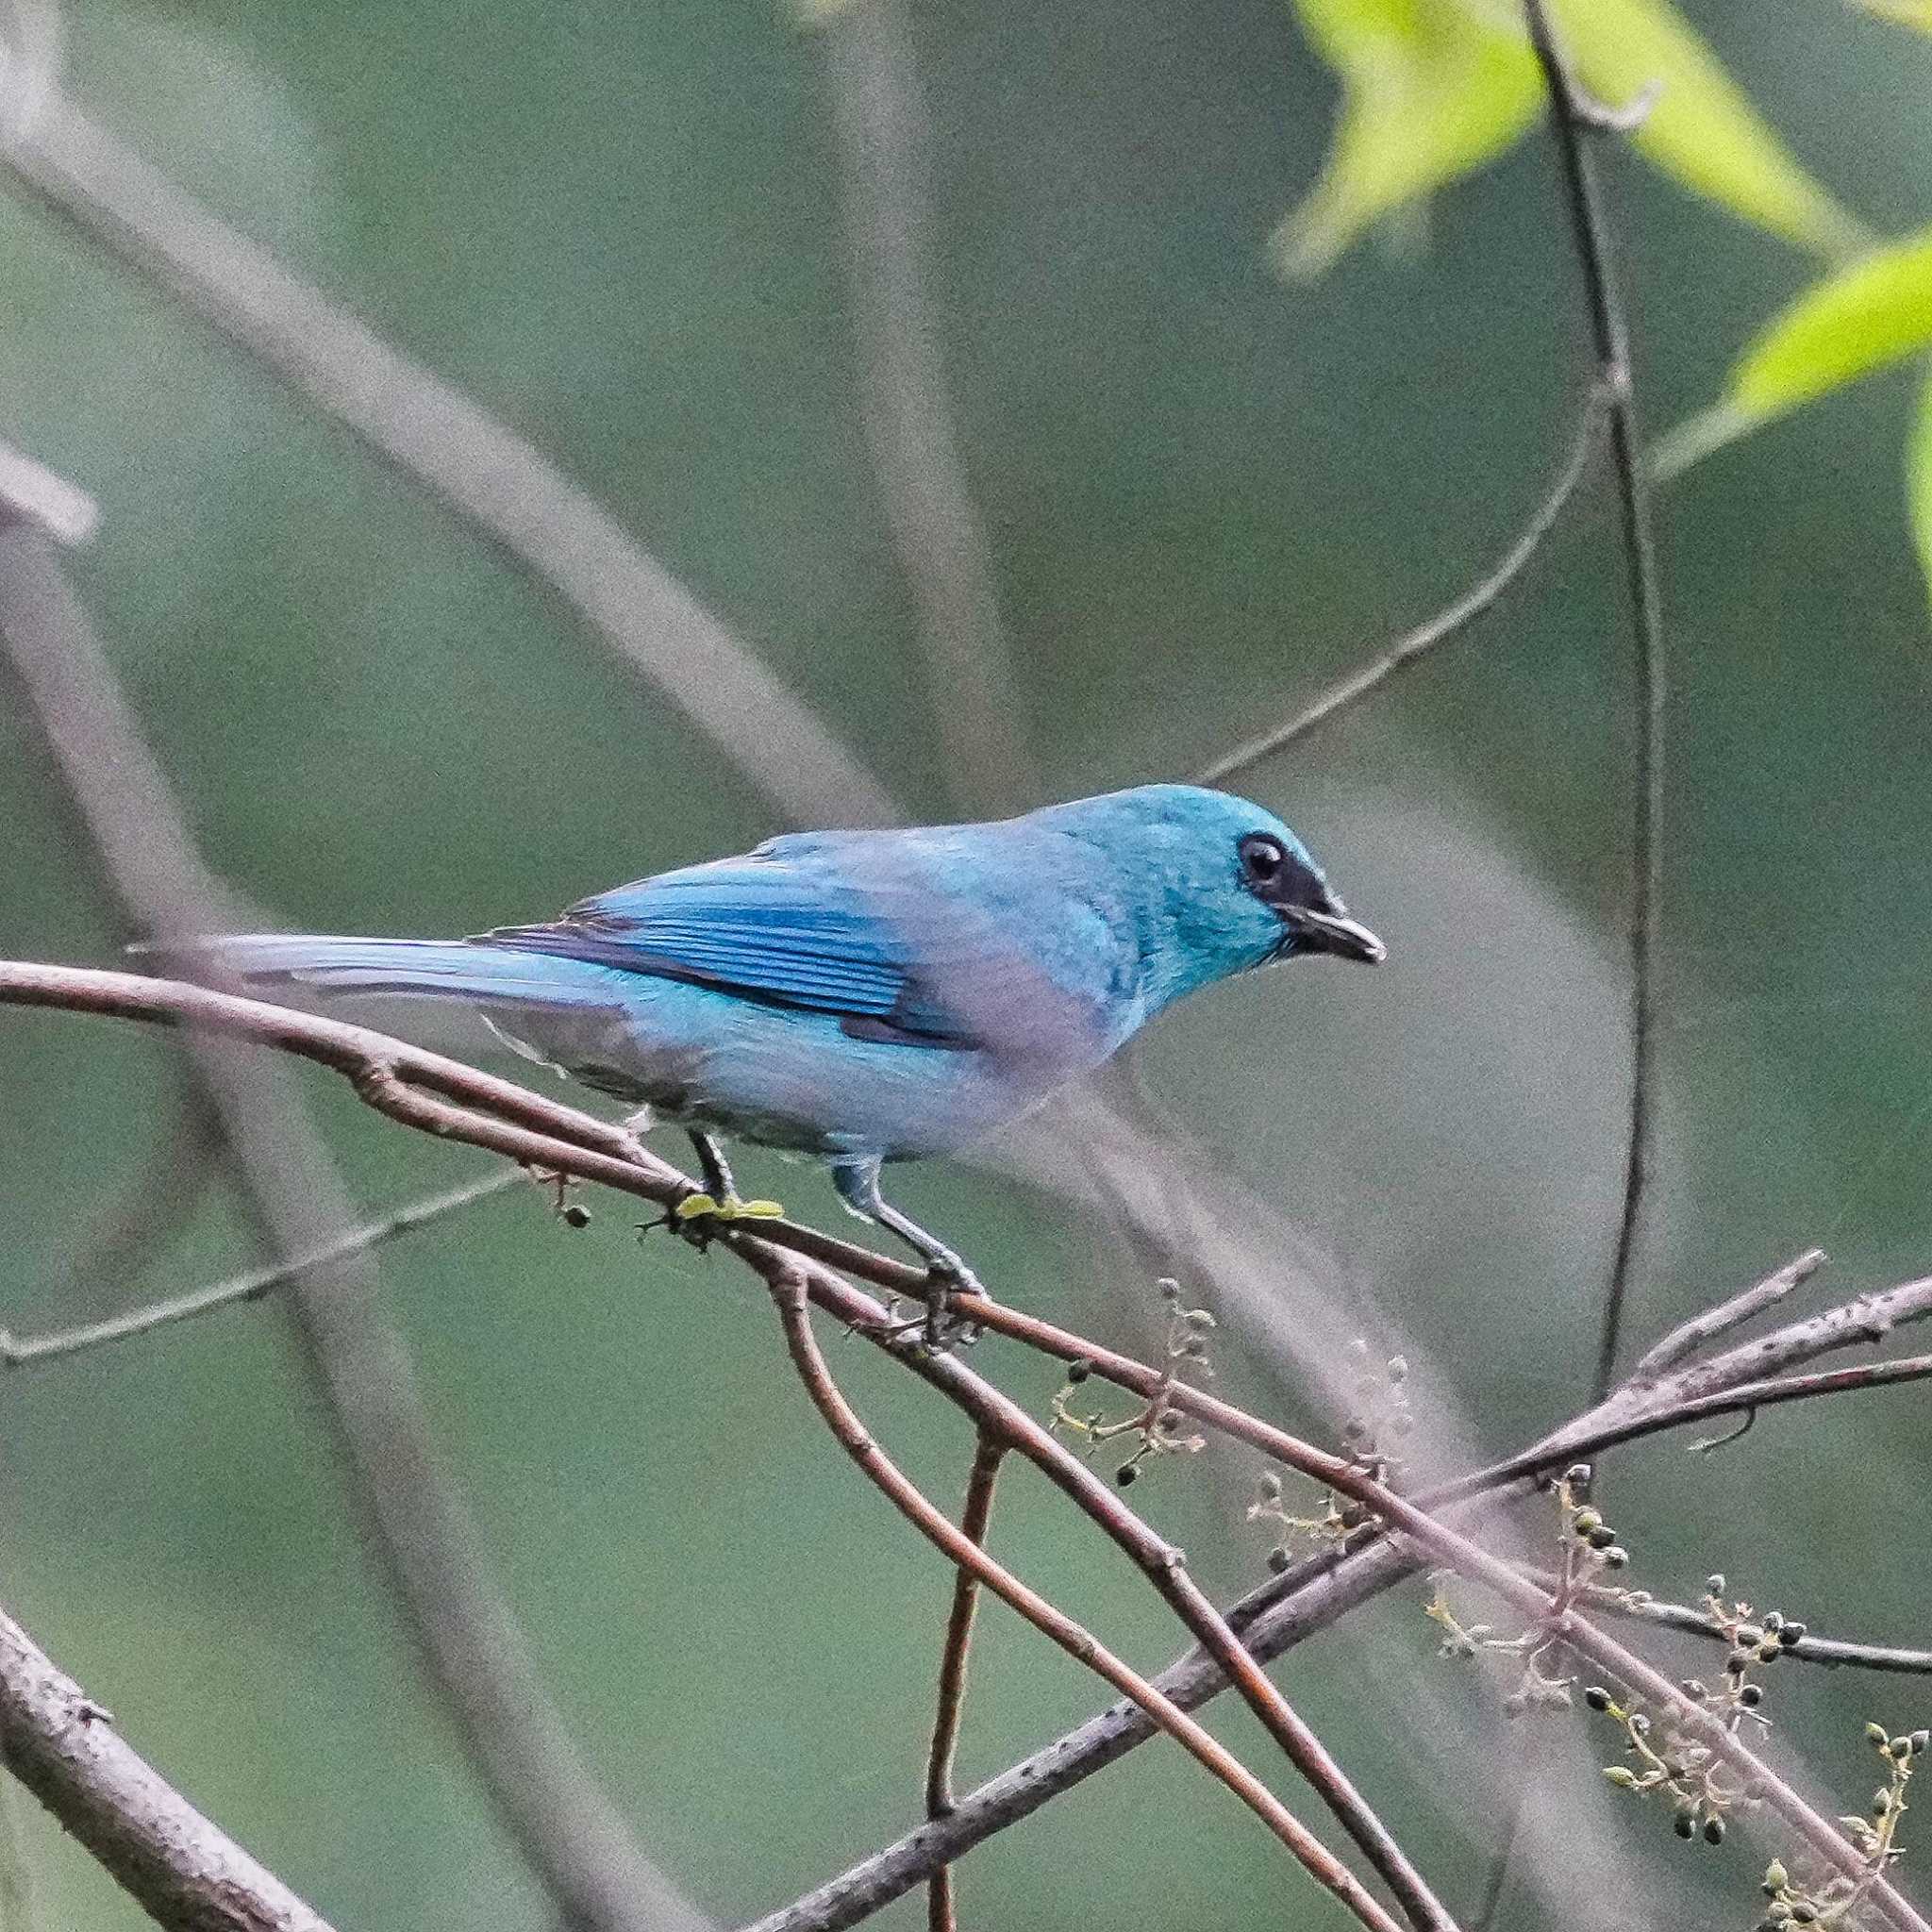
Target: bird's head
{"points": [[1215, 884]]}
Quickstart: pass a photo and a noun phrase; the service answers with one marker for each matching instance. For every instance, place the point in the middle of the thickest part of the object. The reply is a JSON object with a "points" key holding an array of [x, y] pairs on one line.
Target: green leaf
{"points": [[1916, 13], [1430, 91], [1918, 479], [1875, 312], [1702, 127]]}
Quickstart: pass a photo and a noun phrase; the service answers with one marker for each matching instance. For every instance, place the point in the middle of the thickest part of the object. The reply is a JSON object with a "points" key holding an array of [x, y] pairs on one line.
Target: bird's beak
{"points": [[1327, 928]]}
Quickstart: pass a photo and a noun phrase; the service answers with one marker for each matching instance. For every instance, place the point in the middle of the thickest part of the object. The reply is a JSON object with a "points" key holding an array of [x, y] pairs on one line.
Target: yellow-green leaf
{"points": [[1875, 311], [1429, 91], [1916, 13], [1919, 480], [1702, 127]]}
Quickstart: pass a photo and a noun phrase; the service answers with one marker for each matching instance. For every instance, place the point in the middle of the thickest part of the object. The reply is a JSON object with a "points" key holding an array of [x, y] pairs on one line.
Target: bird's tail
{"points": [[430, 969]]}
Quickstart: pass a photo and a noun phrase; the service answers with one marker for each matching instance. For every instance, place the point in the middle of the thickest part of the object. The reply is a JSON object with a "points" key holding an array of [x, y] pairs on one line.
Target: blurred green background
{"points": [[618, 228]]}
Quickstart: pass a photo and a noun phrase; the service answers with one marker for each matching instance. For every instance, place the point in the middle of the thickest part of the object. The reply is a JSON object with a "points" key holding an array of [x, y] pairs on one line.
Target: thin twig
{"points": [[184, 1872], [1271, 1619], [1164, 1565], [440, 439], [1444, 1543], [788, 1291], [987, 1453], [188, 1156], [16, 1351], [1688, 1337], [1474, 602], [1609, 331], [577, 1840], [1832, 1652], [422, 1089]]}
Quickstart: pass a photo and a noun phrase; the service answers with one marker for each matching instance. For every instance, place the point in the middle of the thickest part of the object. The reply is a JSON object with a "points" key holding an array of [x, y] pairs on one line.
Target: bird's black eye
{"points": [[1262, 858]]}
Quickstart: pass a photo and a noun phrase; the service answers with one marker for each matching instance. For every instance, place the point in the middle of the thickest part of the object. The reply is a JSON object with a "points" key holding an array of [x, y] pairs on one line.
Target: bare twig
{"points": [[1475, 602], [789, 1290], [1831, 1652], [439, 437], [183, 1870], [15, 1351], [1688, 1337], [1271, 1619], [1735, 1400], [573, 1837], [189, 1155], [987, 1453], [456, 1102], [1571, 125], [881, 123]]}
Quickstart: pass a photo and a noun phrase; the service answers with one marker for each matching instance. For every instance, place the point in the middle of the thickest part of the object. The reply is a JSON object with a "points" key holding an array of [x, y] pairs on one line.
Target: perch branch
{"points": [[575, 1840], [444, 1097], [790, 1290]]}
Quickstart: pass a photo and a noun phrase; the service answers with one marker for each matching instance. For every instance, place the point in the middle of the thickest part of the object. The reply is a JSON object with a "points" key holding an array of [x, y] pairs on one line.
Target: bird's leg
{"points": [[712, 1165], [858, 1182], [700, 1215]]}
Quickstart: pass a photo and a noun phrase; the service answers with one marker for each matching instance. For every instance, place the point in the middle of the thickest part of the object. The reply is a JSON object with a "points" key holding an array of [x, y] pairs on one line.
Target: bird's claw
{"points": [[947, 1275]]}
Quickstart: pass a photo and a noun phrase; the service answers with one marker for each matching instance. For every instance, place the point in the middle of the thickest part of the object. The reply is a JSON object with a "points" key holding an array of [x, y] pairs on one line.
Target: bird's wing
{"points": [[792, 931]]}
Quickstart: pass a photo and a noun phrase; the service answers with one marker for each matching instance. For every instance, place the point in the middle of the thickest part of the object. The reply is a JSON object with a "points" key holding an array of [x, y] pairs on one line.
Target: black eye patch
{"points": [[1275, 875]]}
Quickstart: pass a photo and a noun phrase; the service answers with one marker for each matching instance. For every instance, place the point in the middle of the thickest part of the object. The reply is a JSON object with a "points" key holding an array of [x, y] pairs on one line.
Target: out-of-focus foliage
{"points": [[1432, 89], [1429, 91], [1916, 13], [1865, 317]]}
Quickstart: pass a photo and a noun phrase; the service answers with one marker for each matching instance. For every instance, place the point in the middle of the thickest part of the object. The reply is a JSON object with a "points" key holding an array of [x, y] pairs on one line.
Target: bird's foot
{"points": [[947, 1275], [700, 1217]]}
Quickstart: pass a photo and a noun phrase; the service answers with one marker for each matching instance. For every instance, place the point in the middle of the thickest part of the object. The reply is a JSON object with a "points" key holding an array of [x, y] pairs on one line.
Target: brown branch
{"points": [[420, 1089], [1271, 1619], [1453, 618], [1571, 123], [575, 1840], [789, 1284], [18, 1351], [987, 1453], [184, 1872]]}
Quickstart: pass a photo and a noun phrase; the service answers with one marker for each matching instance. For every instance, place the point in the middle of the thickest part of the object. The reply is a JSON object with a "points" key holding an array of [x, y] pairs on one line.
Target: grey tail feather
{"points": [[432, 969]]}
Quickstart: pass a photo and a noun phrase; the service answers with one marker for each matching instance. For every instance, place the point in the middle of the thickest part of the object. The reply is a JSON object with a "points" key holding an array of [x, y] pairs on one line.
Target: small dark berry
{"points": [[1684, 1824], [1278, 1560], [1597, 1697], [1788, 1634], [576, 1215], [1078, 1370], [1751, 1695], [1713, 1831], [1601, 1537], [1127, 1474]]}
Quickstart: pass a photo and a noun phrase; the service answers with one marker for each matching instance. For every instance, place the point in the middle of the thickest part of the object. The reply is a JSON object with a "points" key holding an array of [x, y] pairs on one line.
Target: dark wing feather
{"points": [[794, 935]]}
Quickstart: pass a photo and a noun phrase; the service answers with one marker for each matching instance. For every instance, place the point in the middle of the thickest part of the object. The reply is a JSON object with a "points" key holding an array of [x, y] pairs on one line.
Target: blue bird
{"points": [[874, 996]]}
